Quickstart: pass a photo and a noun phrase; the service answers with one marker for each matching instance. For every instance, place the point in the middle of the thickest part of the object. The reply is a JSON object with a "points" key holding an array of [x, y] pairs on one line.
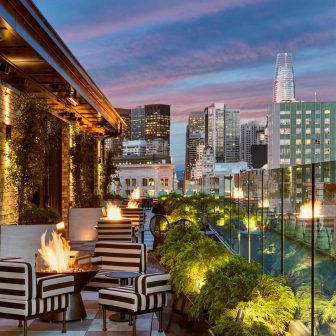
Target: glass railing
{"points": [[285, 219]]}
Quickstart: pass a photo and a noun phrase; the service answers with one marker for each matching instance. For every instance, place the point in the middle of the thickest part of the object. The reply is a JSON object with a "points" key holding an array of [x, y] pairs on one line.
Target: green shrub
{"points": [[35, 215], [188, 274], [225, 287], [272, 304]]}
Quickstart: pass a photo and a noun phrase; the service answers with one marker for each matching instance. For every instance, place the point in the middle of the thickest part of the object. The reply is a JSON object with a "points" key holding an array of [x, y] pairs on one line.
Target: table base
{"points": [[75, 311], [119, 317]]}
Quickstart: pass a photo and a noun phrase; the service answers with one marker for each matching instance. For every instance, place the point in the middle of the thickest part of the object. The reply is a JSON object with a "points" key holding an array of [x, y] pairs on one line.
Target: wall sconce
{"points": [[8, 132]]}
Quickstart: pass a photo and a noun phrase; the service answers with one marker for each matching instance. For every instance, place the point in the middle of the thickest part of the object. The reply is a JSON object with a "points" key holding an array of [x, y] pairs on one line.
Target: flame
{"points": [[264, 203], [135, 194], [132, 205], [238, 193], [57, 254], [113, 211], [306, 210], [60, 227]]}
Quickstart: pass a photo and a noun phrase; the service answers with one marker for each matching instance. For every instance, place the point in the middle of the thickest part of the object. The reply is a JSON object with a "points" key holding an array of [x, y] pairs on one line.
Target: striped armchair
{"points": [[23, 297], [137, 216], [148, 294], [120, 231], [111, 257]]}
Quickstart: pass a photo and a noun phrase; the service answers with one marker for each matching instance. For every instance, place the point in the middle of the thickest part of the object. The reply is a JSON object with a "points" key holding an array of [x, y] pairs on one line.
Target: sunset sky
{"points": [[191, 53]]}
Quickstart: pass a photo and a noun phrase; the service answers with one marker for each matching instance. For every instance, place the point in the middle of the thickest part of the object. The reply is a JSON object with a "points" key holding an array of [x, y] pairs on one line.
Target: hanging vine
{"points": [[34, 135], [84, 156]]}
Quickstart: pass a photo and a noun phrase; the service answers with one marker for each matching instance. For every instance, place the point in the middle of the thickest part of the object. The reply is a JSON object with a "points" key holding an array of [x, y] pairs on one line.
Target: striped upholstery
{"points": [[54, 285], [120, 232], [127, 298], [137, 216], [112, 256], [17, 281], [34, 306], [21, 294], [152, 283]]}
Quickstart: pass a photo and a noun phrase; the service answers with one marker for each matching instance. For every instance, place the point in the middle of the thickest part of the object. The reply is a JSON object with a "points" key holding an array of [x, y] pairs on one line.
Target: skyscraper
{"points": [[194, 138], [222, 132], [248, 137], [301, 133], [284, 85], [138, 123], [157, 122]]}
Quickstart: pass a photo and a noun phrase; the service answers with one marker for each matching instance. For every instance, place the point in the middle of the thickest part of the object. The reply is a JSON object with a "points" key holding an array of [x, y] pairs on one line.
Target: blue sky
{"points": [[191, 53]]}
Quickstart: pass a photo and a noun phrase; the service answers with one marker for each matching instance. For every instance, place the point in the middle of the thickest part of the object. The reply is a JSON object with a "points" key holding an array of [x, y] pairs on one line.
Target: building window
{"points": [[327, 130], [298, 130], [298, 161], [128, 182], [317, 141], [133, 182], [327, 141], [308, 142], [166, 182], [298, 151], [284, 131], [327, 121], [308, 121], [151, 182], [284, 142], [298, 121], [298, 141], [317, 130], [308, 131], [327, 151], [308, 112], [162, 182], [144, 182], [326, 111], [298, 112], [317, 151]]}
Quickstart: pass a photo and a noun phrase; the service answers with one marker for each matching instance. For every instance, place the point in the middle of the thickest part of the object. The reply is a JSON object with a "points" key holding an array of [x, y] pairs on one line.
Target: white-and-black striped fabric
{"points": [[22, 294], [127, 298], [152, 283], [54, 285], [120, 231], [137, 216], [34, 306], [112, 257]]}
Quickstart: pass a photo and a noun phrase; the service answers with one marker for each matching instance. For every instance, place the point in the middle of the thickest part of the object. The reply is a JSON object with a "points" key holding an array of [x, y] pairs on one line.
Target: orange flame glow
{"points": [[306, 210], [135, 194], [57, 254], [238, 193], [263, 203], [132, 205], [113, 211]]}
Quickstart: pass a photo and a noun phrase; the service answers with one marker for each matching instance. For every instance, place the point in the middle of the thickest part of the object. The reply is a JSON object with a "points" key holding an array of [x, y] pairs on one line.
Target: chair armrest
{"points": [[53, 285], [152, 283], [97, 260]]}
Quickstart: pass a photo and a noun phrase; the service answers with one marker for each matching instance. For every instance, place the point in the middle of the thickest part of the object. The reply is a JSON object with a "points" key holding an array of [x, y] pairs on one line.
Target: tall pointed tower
{"points": [[284, 85]]}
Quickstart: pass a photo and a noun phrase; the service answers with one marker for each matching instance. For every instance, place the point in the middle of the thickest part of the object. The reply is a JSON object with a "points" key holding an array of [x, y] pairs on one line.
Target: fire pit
{"points": [[114, 226], [57, 257]]}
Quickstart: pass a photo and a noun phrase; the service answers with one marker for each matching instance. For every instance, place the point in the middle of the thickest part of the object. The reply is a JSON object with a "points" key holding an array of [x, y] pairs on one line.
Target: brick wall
{"points": [[65, 173], [7, 194]]}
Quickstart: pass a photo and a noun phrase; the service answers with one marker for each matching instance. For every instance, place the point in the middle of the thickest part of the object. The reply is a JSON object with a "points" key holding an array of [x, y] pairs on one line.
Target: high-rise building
{"points": [[194, 138], [157, 122], [138, 123], [248, 136], [222, 132], [284, 84], [126, 115], [115, 144], [301, 133]]}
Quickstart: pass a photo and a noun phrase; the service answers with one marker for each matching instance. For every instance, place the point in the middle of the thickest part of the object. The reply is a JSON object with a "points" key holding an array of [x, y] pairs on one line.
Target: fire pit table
{"points": [[76, 310]]}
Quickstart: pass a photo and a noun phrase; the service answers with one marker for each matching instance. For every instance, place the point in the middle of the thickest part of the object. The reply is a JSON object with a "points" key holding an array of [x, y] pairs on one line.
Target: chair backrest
{"points": [[152, 283], [119, 232], [17, 281], [130, 257], [137, 215]]}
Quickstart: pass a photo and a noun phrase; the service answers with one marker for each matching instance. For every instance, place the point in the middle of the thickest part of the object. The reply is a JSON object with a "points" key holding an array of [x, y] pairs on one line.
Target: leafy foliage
{"points": [[107, 169], [83, 154], [34, 135], [35, 215], [225, 287]]}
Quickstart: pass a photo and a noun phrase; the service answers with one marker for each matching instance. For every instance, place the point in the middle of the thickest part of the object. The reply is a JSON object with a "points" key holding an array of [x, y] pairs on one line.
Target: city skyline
{"points": [[197, 59]]}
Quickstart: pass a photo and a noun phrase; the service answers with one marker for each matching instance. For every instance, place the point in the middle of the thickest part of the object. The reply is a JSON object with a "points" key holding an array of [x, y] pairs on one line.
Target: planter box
{"points": [[82, 223], [23, 240]]}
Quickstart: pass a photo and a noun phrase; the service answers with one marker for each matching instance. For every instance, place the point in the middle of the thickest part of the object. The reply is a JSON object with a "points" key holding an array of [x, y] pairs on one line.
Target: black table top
{"points": [[123, 275]]}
